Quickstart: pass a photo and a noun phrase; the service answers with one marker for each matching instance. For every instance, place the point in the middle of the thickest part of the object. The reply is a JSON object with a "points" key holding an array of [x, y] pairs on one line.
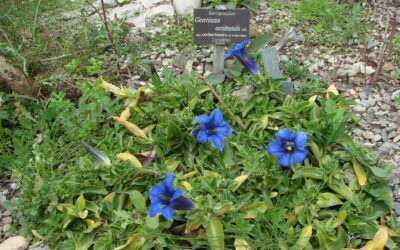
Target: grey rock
{"points": [[169, 52], [368, 135], [6, 228], [288, 87], [15, 243], [358, 132], [7, 213], [189, 66], [396, 190], [185, 7], [395, 94], [396, 139], [359, 109], [3, 198], [377, 138], [245, 93], [396, 208], [7, 220], [392, 134]]}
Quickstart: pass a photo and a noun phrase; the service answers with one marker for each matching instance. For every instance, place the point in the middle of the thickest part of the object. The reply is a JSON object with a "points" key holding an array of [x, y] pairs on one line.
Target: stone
{"points": [[288, 88], [270, 62], [395, 94], [7, 220], [359, 109], [7, 213], [169, 52], [185, 7], [245, 93], [377, 138], [6, 228], [107, 4], [127, 10], [368, 135], [14, 243], [396, 139], [189, 65], [140, 21], [14, 78], [3, 198]]}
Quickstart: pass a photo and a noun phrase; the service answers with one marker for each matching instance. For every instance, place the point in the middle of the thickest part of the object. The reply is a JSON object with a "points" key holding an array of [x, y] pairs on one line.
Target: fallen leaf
{"points": [[131, 127], [130, 157]]}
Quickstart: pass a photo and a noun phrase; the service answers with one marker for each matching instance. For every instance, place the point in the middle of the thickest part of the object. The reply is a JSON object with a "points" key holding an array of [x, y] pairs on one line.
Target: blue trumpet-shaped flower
{"points": [[213, 128], [240, 52], [165, 199], [288, 147]]}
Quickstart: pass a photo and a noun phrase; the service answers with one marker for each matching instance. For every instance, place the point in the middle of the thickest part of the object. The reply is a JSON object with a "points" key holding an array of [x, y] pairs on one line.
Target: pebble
{"points": [[7, 213], [368, 135], [6, 228], [396, 139], [169, 52], [377, 138], [15, 243], [359, 109], [7, 220]]}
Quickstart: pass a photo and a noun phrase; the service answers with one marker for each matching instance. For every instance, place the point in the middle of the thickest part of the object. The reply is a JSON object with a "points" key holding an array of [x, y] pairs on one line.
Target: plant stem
{"points": [[237, 119], [388, 44], [110, 37]]}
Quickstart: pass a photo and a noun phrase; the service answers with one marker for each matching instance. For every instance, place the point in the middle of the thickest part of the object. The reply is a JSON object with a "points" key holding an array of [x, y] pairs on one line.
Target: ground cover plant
{"points": [[236, 191], [179, 163]]}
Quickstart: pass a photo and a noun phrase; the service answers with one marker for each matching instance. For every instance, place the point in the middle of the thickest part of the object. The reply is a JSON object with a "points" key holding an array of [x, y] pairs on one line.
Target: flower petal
{"points": [[284, 161], [224, 129], [154, 209], [201, 136], [216, 117], [178, 192], [157, 190], [300, 140], [248, 62], [168, 213], [168, 184], [283, 134], [235, 51], [274, 148], [182, 203], [196, 131], [203, 119], [218, 143], [299, 156]]}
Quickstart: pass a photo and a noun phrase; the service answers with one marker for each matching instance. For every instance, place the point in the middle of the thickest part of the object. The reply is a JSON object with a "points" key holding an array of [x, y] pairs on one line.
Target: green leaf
{"points": [[260, 42], [253, 210], [227, 152], [328, 200], [152, 223], [171, 164], [94, 190], [215, 78], [249, 105], [379, 172], [104, 243], [311, 172], [84, 241], [215, 233], [80, 203], [137, 200]]}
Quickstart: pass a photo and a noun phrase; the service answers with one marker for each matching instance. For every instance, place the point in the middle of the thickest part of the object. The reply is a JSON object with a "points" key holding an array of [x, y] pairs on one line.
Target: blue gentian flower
{"points": [[240, 52], [213, 128], [288, 147], [165, 199]]}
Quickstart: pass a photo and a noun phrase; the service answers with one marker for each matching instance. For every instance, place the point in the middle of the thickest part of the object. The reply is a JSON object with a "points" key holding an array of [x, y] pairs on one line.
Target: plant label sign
{"points": [[220, 27]]}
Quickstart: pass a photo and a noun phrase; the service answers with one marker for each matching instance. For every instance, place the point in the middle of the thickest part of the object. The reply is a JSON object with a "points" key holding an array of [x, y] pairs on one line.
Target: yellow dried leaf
{"points": [[130, 157], [380, 238], [125, 114], [332, 88], [110, 87], [273, 194], [98, 224], [358, 169], [110, 197], [133, 243], [238, 181], [37, 235], [369, 246], [189, 175], [305, 236], [241, 244], [276, 128], [187, 185], [131, 127], [313, 98]]}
